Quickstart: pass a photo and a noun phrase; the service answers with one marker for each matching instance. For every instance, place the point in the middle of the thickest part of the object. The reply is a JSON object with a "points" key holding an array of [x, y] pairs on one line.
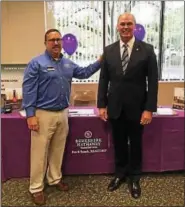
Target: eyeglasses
{"points": [[128, 24], [58, 40]]}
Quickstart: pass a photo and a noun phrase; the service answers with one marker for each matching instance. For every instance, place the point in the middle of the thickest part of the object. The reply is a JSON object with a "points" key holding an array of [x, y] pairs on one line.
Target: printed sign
{"points": [[11, 76], [178, 98], [11, 85], [89, 144]]}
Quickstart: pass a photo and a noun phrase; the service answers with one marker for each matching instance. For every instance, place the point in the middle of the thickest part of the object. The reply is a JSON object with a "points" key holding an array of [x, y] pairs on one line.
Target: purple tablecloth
{"points": [[89, 148]]}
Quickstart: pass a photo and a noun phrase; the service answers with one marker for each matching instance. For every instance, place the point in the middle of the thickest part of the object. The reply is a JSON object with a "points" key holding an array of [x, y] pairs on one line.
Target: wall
{"points": [[165, 94], [23, 28], [22, 31]]}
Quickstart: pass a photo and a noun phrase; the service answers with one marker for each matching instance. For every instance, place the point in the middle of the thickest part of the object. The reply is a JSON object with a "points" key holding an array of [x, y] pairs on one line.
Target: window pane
{"points": [[173, 47], [84, 19], [147, 13], [150, 19], [112, 11]]}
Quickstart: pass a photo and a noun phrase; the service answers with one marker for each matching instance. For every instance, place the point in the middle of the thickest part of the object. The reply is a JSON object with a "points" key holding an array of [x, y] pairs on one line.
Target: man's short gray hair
{"points": [[127, 13]]}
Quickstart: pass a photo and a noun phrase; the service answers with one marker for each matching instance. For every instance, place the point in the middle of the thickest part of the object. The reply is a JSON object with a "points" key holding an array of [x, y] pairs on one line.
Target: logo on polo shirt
{"points": [[67, 65]]}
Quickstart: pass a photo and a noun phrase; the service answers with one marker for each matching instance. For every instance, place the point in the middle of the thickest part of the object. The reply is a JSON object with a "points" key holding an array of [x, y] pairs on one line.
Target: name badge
{"points": [[49, 68]]}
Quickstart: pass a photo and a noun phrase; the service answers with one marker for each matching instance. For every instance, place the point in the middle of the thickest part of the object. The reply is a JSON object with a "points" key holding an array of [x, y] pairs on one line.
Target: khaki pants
{"points": [[47, 148]]}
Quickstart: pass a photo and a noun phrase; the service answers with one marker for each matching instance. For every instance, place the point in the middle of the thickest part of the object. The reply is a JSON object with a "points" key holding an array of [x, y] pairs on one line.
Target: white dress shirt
{"points": [[130, 45]]}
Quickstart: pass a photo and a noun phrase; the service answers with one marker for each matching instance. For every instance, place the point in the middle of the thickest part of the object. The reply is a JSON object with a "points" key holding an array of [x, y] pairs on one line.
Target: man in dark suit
{"points": [[127, 96]]}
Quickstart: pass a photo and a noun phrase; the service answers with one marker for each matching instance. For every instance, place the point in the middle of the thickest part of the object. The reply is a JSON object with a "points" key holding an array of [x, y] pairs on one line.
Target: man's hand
{"points": [[103, 114], [33, 123], [146, 117], [100, 58]]}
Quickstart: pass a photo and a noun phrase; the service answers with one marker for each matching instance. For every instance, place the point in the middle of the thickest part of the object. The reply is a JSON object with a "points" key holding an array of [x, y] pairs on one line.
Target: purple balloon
{"points": [[139, 32], [69, 43]]}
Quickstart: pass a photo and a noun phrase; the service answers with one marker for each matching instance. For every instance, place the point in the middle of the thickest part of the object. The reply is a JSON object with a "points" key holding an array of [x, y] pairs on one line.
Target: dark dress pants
{"points": [[127, 137]]}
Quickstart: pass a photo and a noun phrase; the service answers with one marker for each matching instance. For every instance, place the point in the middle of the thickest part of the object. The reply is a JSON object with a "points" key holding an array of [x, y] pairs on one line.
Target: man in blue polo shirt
{"points": [[46, 93]]}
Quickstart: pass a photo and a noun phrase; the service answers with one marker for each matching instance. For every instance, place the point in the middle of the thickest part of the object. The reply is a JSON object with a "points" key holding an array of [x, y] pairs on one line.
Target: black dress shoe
{"points": [[135, 189], [115, 184]]}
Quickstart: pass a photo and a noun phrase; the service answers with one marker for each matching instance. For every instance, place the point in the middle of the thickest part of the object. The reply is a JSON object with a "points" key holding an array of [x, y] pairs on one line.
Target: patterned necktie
{"points": [[125, 58]]}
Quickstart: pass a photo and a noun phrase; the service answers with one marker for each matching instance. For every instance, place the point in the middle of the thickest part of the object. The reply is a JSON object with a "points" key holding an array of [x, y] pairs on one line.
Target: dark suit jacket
{"points": [[128, 92]]}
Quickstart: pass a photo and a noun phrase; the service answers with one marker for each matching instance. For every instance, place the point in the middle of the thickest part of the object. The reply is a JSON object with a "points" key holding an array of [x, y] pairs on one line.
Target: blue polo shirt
{"points": [[47, 82]]}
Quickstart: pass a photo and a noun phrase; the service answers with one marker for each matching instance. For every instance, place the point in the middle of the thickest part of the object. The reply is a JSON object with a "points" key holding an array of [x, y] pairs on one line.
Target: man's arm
{"points": [[30, 88], [86, 72], [151, 101], [102, 90], [152, 72]]}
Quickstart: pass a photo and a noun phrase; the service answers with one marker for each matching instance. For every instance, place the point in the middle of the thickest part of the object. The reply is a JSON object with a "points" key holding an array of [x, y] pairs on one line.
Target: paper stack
{"points": [[72, 112], [81, 112], [165, 111]]}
